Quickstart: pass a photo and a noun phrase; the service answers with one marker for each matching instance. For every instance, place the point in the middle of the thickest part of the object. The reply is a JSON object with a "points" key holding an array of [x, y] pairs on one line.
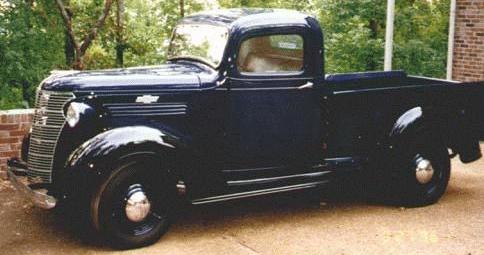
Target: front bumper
{"points": [[37, 193]]}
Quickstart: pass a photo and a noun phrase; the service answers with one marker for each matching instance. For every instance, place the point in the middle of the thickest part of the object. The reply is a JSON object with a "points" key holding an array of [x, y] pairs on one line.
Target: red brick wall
{"points": [[14, 124], [468, 63]]}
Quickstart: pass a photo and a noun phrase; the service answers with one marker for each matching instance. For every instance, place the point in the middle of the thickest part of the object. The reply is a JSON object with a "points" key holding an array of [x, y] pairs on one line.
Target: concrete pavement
{"points": [[282, 224]]}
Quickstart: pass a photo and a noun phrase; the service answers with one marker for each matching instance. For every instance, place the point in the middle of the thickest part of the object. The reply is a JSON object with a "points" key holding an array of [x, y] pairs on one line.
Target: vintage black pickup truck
{"points": [[242, 108]]}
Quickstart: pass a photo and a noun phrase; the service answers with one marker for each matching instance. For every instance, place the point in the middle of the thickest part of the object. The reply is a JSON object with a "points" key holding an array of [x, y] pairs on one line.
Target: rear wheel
{"points": [[417, 177], [427, 178], [131, 207]]}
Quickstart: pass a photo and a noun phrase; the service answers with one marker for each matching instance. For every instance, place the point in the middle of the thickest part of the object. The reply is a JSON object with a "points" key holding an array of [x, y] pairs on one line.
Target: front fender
{"points": [[96, 157], [118, 142]]}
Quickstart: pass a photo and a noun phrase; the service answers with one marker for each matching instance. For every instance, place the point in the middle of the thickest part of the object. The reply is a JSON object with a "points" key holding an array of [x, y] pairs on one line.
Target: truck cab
{"points": [[242, 108]]}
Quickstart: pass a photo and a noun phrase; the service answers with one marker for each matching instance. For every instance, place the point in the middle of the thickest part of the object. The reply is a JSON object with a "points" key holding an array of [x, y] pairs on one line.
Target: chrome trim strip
{"points": [[56, 93], [153, 109], [433, 79], [272, 78], [41, 140], [278, 178], [263, 88], [40, 155], [252, 169], [129, 105], [146, 114], [340, 159], [257, 193], [389, 88], [54, 111], [46, 126], [321, 165]]}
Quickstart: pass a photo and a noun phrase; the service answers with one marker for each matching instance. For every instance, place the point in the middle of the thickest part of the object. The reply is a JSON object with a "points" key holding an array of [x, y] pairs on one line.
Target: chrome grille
{"points": [[46, 127]]}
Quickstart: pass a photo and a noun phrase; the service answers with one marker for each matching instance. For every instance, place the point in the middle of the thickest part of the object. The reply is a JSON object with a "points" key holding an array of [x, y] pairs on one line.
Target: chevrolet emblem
{"points": [[147, 99]]}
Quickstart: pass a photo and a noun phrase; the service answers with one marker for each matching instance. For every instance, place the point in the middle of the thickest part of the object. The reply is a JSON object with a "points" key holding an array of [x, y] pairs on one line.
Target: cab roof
{"points": [[248, 17]]}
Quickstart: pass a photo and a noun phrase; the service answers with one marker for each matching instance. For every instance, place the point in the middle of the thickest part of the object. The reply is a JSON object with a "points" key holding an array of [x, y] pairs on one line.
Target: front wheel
{"points": [[131, 206]]}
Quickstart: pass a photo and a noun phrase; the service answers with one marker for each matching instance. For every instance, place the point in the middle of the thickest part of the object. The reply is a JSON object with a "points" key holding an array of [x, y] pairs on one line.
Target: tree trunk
{"points": [[182, 8], [79, 63], [69, 50], [80, 48], [373, 25], [120, 43], [370, 61]]}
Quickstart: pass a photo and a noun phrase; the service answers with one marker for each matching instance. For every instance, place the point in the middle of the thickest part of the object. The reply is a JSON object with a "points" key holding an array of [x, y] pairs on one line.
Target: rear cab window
{"points": [[271, 54]]}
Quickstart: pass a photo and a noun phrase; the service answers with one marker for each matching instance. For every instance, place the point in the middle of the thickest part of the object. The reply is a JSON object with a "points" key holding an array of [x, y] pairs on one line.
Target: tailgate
{"points": [[476, 105]]}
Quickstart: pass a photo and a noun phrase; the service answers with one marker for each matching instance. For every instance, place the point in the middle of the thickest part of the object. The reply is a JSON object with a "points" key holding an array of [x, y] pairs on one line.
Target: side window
{"points": [[271, 54]]}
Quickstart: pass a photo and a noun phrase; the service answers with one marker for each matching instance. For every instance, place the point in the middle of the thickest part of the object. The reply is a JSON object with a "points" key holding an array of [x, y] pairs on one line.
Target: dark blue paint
{"points": [[218, 125], [144, 78]]}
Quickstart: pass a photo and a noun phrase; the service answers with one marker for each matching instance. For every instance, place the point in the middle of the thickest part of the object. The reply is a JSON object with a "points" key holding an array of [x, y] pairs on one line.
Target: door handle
{"points": [[307, 85]]}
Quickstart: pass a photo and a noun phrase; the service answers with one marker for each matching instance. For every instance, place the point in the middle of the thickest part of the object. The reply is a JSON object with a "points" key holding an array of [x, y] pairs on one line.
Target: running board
{"points": [[257, 192]]}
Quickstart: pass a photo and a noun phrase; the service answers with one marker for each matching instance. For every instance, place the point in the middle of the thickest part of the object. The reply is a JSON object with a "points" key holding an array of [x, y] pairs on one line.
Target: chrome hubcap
{"points": [[424, 171], [138, 205]]}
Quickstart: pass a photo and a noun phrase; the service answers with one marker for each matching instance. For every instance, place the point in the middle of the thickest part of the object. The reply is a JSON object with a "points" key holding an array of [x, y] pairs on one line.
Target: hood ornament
{"points": [[147, 99]]}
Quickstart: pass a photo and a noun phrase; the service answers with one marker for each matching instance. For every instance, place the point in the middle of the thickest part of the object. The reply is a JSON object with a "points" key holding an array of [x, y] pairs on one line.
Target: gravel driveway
{"points": [[283, 224]]}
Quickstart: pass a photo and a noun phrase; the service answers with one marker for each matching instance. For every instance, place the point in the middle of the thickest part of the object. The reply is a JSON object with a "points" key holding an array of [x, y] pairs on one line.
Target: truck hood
{"points": [[168, 76]]}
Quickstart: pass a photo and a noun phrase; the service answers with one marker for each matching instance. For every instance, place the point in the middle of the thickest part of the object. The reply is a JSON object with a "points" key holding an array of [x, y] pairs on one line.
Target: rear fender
{"points": [[407, 124], [452, 130]]}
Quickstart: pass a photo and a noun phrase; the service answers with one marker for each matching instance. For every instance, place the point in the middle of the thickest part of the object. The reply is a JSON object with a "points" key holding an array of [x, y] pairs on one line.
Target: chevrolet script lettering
{"points": [[147, 99]]}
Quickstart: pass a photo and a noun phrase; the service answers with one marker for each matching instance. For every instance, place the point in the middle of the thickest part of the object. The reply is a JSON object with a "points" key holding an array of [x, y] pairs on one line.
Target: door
{"points": [[273, 113]]}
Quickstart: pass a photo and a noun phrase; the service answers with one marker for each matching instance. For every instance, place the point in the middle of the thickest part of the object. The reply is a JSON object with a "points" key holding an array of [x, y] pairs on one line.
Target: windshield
{"points": [[203, 42]]}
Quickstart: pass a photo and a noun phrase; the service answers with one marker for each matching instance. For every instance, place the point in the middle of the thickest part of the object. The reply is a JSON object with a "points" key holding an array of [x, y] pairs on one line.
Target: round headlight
{"points": [[73, 114]]}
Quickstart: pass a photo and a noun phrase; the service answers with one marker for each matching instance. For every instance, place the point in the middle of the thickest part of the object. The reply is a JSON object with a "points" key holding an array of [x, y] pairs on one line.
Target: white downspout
{"points": [[389, 35], [450, 46]]}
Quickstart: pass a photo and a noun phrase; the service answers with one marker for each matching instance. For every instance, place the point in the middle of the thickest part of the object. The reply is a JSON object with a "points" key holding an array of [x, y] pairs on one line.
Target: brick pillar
{"points": [[468, 63], [14, 124]]}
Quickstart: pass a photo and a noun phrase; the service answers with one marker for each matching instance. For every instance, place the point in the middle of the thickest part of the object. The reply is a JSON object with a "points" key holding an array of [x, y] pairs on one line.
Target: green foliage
{"points": [[421, 37], [353, 34], [32, 36]]}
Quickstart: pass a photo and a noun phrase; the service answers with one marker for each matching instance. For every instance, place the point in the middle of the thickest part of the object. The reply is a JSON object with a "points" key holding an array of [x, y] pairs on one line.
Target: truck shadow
{"points": [[194, 222]]}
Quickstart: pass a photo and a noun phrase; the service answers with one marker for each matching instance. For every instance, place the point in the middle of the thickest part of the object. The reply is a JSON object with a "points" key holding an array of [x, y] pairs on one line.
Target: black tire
{"points": [[107, 206], [416, 194], [404, 188]]}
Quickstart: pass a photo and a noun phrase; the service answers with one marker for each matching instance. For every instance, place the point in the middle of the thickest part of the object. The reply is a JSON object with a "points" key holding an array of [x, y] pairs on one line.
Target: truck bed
{"points": [[374, 100]]}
